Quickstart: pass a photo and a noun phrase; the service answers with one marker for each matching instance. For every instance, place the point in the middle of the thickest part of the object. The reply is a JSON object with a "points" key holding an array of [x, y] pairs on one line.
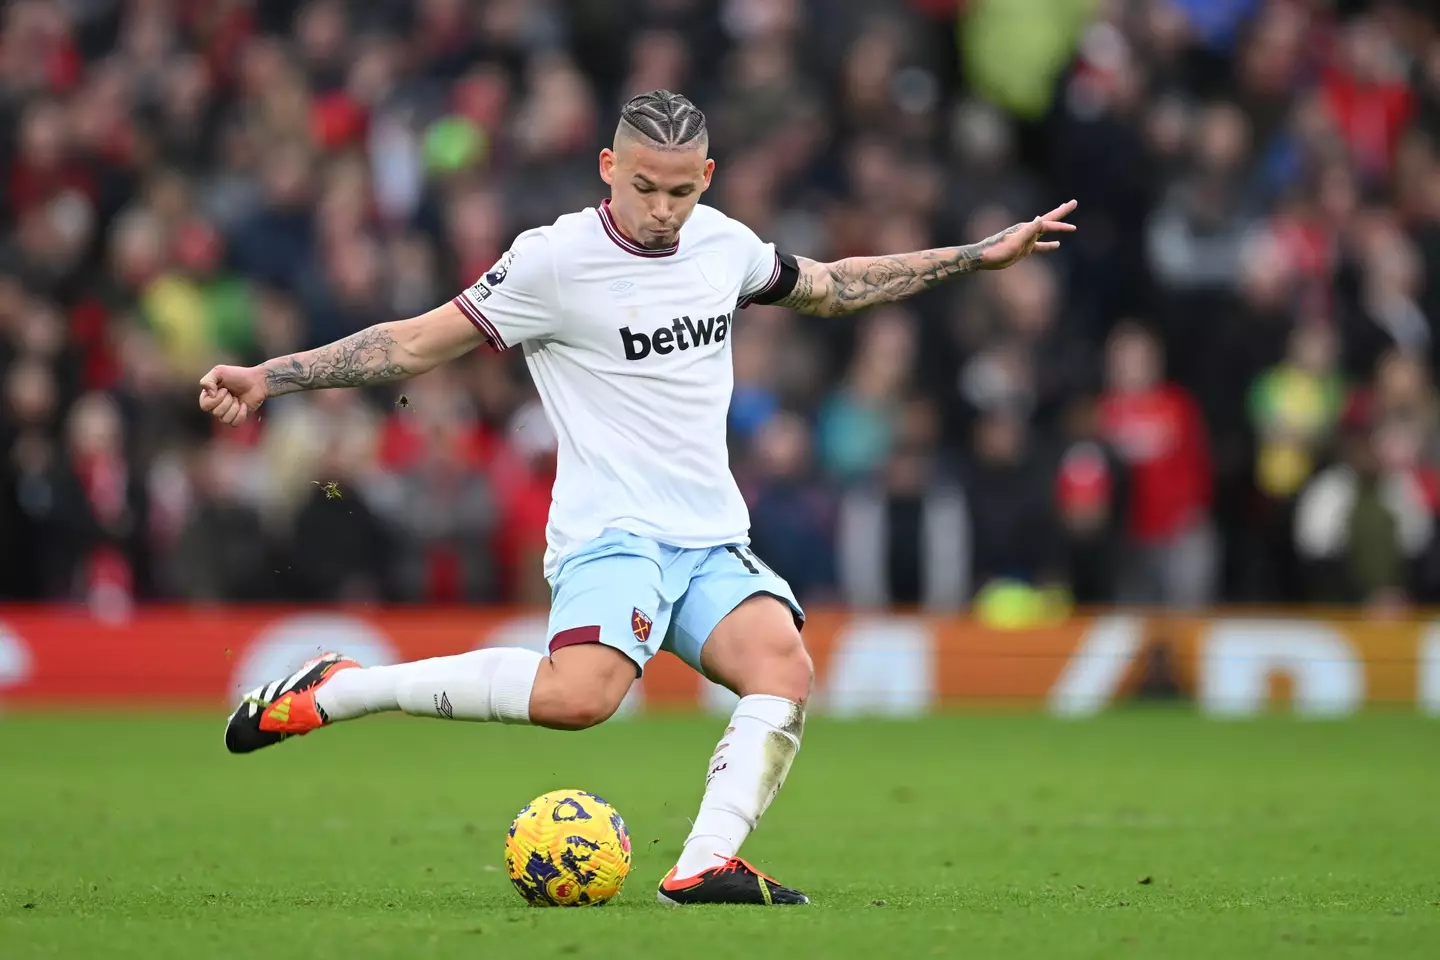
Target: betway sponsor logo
{"points": [[682, 333]]}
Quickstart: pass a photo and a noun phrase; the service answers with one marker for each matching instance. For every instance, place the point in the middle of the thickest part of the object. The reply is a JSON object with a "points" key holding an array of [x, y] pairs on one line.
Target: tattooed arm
{"points": [[845, 286], [380, 354]]}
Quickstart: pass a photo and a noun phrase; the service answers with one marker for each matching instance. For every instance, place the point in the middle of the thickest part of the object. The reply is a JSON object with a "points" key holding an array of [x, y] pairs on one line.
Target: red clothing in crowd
{"points": [[31, 186], [520, 541], [1161, 436], [109, 577], [1371, 117]]}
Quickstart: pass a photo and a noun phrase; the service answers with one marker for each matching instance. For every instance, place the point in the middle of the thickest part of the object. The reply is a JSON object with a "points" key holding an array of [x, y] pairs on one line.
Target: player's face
{"points": [[653, 192]]}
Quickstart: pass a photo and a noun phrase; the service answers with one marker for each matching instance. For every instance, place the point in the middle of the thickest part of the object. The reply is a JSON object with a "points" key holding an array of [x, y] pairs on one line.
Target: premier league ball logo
{"points": [[497, 273]]}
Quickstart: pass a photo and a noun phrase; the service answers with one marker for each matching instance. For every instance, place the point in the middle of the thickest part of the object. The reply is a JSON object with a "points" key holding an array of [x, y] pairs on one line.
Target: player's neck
{"points": [[624, 238]]}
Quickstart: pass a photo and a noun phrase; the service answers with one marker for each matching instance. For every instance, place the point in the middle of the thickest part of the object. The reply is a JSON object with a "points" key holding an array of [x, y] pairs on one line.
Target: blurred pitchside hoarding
{"points": [[866, 664]]}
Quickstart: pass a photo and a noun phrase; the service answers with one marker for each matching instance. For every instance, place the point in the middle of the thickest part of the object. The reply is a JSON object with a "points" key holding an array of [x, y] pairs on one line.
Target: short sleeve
{"points": [[515, 300], [769, 274]]}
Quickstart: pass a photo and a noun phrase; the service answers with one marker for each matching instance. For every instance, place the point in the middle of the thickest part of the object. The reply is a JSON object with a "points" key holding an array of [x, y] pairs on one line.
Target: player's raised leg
{"points": [[756, 651], [573, 688], [607, 599]]}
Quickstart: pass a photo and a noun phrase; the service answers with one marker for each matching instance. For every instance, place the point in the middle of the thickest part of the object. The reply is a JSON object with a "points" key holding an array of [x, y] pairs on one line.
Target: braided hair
{"points": [[665, 120]]}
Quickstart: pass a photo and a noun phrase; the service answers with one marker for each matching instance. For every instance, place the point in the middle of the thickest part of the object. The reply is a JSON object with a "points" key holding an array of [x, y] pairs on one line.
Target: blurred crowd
{"points": [[1221, 390]]}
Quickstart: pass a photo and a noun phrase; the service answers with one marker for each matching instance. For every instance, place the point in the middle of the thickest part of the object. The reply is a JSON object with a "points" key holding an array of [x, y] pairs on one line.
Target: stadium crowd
{"points": [[1221, 390]]}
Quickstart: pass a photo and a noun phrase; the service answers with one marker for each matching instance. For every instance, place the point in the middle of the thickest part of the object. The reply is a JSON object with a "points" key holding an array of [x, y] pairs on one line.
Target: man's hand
{"points": [[232, 394], [1015, 244]]}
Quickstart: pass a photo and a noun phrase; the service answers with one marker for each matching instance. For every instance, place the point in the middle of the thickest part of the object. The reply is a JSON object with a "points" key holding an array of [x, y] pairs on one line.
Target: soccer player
{"points": [[624, 313]]}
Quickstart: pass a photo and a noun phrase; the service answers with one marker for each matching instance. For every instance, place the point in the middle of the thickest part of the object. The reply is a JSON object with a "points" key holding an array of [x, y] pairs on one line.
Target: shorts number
{"points": [[752, 563]]}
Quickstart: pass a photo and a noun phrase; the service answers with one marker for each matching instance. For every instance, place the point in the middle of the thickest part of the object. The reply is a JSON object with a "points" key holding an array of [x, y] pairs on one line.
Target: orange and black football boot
{"points": [[283, 708], [733, 881]]}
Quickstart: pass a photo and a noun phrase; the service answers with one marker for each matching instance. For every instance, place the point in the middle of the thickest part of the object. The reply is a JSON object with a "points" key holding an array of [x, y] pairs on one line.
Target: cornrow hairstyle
{"points": [[664, 119]]}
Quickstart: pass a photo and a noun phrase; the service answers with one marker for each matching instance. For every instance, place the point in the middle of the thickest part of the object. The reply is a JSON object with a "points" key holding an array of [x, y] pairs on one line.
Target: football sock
{"points": [[483, 685], [746, 772]]}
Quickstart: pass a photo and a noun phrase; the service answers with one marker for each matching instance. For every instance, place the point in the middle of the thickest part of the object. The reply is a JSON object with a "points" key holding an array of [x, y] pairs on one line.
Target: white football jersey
{"points": [[630, 351]]}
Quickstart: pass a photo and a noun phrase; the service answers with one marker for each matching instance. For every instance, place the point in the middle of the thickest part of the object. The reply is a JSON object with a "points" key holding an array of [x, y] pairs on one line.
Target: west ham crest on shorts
{"points": [[640, 625]]}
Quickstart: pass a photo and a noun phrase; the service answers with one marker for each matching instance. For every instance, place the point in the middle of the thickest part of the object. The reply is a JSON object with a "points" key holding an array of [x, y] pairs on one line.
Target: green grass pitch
{"points": [[1139, 834]]}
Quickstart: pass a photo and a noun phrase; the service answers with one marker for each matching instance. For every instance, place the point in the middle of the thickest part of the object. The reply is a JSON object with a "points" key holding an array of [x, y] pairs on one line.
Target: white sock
{"points": [[746, 772], [482, 685]]}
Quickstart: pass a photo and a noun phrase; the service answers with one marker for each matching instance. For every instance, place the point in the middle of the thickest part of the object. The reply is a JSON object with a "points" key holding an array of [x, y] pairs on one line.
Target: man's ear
{"points": [[607, 165], [709, 172]]}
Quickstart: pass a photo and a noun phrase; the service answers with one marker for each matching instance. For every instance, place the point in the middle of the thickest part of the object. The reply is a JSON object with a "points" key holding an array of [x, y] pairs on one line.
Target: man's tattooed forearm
{"points": [[860, 282], [360, 360]]}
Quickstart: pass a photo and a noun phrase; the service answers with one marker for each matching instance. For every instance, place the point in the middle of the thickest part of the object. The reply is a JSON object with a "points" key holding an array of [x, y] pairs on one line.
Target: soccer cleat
{"points": [[283, 708], [733, 881]]}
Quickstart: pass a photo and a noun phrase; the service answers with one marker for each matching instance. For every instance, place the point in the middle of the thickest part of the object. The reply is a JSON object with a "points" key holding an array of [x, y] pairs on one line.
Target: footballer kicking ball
{"points": [[568, 848]]}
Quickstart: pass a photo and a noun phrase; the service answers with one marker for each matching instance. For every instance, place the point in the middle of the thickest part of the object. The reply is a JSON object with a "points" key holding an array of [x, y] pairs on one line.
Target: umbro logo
{"points": [[621, 286], [674, 336], [443, 706]]}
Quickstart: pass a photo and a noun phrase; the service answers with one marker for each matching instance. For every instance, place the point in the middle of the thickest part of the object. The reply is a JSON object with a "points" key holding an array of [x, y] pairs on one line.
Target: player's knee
{"points": [[584, 708], [795, 673], [783, 669], [579, 687], [756, 651]]}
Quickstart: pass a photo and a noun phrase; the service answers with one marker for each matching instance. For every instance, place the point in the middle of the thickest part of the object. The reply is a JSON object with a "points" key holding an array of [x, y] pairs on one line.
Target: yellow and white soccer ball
{"points": [[568, 848]]}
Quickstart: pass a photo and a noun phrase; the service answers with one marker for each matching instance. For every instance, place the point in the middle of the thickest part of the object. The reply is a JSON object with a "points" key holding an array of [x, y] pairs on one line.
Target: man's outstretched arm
{"points": [[383, 353], [845, 286]]}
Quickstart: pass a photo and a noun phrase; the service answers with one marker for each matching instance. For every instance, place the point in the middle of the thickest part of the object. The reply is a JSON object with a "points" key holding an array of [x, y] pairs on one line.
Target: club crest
{"points": [[640, 625]]}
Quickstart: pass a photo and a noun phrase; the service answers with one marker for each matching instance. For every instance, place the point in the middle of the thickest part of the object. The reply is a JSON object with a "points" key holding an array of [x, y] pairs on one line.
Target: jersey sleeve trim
{"points": [[782, 280], [482, 322]]}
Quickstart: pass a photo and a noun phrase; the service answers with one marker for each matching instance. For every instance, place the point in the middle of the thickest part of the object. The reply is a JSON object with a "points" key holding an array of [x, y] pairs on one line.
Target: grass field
{"points": [[1141, 834]]}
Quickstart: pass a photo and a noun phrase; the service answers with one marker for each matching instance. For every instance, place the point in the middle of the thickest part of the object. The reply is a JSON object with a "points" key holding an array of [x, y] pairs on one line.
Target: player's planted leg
{"points": [[576, 687], [755, 651]]}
